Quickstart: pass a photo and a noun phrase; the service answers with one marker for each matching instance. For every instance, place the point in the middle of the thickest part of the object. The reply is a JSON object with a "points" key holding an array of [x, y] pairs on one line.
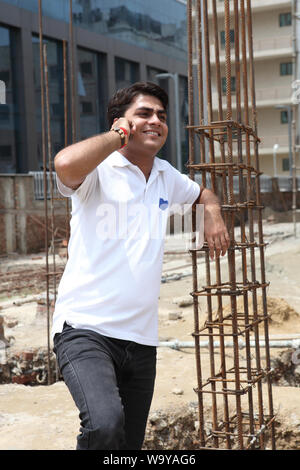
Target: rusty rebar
{"points": [[45, 181], [72, 72], [242, 197], [194, 253], [230, 131], [260, 227], [65, 74]]}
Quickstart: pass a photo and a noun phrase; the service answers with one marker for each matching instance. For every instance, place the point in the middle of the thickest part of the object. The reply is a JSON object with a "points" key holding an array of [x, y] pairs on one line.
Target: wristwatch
{"points": [[122, 133]]}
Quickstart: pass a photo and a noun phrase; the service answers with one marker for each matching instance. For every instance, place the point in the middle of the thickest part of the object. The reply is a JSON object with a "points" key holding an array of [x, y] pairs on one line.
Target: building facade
{"points": [[274, 62], [114, 44]]}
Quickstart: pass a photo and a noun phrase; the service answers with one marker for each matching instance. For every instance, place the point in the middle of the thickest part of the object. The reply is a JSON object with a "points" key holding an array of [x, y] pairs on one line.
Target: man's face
{"points": [[148, 120]]}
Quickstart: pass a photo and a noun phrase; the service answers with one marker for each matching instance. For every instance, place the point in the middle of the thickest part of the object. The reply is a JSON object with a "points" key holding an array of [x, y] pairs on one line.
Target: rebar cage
{"points": [[234, 384]]}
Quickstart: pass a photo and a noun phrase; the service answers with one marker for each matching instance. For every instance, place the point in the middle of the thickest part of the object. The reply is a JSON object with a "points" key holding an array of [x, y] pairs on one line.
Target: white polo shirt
{"points": [[112, 278]]}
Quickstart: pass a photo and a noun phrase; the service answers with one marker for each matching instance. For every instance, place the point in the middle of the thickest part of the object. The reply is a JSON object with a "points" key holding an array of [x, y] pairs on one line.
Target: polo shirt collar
{"points": [[117, 159]]}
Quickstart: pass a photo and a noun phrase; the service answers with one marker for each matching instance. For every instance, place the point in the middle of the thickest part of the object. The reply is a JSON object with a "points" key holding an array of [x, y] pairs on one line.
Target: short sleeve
{"points": [[84, 190], [185, 191]]}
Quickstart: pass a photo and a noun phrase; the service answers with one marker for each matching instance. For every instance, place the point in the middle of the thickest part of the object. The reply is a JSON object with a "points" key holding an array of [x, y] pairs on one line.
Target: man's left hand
{"points": [[215, 231]]}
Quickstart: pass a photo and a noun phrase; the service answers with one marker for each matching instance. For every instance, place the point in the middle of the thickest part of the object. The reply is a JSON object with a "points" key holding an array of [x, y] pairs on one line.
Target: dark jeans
{"points": [[111, 382]]}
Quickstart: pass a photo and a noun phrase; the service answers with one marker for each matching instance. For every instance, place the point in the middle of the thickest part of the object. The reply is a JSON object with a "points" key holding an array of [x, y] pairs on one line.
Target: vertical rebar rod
{"points": [[50, 168], [251, 233], [194, 253], [213, 184], [67, 219], [200, 85], [295, 118], [231, 252], [224, 191], [44, 179], [51, 195], [260, 228], [72, 72], [242, 198]]}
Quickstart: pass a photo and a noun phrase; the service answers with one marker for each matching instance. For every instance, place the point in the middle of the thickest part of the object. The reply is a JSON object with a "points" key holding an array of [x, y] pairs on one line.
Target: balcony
{"points": [[265, 97], [268, 141], [273, 95], [257, 5], [268, 47]]}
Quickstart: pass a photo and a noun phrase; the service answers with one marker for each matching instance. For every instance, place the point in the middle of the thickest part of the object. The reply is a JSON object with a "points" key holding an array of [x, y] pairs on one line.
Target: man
{"points": [[105, 319]]}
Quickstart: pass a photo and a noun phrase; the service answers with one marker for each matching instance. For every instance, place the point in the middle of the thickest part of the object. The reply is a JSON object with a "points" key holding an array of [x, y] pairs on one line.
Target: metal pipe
{"points": [[177, 345]]}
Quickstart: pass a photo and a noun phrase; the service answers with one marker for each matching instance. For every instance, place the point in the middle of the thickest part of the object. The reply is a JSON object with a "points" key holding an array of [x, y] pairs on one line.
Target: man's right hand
{"points": [[123, 122]]}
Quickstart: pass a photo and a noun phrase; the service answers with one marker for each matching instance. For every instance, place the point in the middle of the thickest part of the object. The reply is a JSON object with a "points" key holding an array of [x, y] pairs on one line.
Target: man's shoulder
{"points": [[163, 165]]}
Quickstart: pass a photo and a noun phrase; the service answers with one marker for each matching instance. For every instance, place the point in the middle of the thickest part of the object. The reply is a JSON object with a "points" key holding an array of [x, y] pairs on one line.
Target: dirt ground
{"points": [[45, 417]]}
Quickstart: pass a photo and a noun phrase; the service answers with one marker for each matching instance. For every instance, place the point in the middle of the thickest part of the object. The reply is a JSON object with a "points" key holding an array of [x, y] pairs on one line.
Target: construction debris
{"points": [[26, 367], [286, 368]]}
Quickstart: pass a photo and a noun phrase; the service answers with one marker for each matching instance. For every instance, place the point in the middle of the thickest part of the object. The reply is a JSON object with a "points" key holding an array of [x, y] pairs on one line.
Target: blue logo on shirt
{"points": [[163, 204]]}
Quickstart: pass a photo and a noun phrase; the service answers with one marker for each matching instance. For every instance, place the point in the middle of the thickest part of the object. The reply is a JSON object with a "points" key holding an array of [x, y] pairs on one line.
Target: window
{"points": [[285, 19], [87, 107], [284, 119], [5, 152], [10, 136], [4, 112], [233, 85], [285, 164], [86, 68], [57, 109], [127, 72], [54, 53], [286, 68], [4, 76], [223, 38], [92, 93]]}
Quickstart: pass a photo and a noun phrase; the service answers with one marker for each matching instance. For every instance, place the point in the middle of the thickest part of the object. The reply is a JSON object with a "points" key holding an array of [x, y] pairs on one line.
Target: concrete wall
{"points": [[22, 217]]}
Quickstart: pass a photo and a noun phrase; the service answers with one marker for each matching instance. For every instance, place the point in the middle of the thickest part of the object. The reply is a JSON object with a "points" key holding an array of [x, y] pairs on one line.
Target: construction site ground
{"points": [[45, 417]]}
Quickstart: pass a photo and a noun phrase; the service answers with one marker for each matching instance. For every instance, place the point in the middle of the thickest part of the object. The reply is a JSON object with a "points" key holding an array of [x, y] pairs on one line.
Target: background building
{"points": [[274, 58], [115, 43]]}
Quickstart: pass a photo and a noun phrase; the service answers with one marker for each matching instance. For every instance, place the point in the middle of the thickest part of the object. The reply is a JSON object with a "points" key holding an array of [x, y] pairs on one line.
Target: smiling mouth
{"points": [[155, 133]]}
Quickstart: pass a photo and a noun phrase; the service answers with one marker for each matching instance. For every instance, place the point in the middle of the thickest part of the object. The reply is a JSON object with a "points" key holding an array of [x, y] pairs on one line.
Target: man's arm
{"points": [[75, 162], [215, 230]]}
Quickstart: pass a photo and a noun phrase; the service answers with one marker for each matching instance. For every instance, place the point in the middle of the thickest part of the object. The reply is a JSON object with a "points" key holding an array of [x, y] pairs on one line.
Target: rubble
{"points": [[175, 315], [286, 368], [184, 301], [279, 310], [177, 391], [26, 367], [172, 429]]}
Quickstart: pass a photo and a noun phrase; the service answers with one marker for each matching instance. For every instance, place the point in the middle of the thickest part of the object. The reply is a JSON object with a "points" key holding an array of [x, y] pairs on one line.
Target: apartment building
{"points": [[274, 74]]}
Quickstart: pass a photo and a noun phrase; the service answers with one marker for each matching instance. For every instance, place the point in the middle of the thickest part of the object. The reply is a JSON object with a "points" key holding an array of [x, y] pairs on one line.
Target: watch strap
{"points": [[122, 133]]}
